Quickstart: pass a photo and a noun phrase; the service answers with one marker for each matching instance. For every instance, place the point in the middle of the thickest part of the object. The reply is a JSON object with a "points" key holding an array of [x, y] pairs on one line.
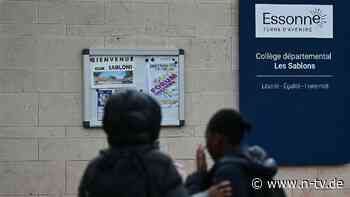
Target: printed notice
{"points": [[102, 96], [163, 84], [112, 71]]}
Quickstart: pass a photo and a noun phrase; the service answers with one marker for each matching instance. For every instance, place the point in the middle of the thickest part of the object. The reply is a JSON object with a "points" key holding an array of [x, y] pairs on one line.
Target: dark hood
{"points": [[255, 160], [258, 161]]}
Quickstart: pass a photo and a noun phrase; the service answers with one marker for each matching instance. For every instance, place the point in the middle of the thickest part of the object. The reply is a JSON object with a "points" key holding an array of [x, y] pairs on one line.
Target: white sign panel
{"points": [[163, 84], [293, 21]]}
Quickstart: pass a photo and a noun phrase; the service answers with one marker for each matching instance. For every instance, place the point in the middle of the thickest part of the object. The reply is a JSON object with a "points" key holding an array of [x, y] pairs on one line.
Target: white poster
{"points": [[163, 82]]}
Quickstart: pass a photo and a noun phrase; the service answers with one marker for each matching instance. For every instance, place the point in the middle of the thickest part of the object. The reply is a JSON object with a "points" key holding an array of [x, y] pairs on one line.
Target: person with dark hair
{"points": [[130, 118], [232, 161], [133, 166]]}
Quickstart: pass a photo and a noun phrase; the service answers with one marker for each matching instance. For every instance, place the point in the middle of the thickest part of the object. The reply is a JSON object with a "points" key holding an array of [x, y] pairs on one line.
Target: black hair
{"points": [[131, 117], [230, 124]]}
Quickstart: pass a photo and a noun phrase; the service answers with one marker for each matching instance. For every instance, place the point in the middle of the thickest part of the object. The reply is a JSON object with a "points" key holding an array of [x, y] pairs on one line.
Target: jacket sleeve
{"points": [[195, 182], [82, 190], [172, 183], [86, 178], [239, 181], [179, 191]]}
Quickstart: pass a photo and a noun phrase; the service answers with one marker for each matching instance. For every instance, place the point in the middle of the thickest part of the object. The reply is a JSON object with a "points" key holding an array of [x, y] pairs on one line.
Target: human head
{"points": [[226, 128], [131, 117]]}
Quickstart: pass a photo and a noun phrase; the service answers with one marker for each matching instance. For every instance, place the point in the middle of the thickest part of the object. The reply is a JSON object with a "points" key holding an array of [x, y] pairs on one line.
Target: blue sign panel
{"points": [[294, 78]]}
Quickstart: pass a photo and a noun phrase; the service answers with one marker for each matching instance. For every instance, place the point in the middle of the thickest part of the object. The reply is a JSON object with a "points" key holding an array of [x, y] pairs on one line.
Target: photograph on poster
{"points": [[112, 75], [102, 96], [163, 84], [108, 78]]}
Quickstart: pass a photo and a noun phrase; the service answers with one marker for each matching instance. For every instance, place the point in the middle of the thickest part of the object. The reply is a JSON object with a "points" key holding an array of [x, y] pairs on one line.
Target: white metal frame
{"points": [[89, 112]]}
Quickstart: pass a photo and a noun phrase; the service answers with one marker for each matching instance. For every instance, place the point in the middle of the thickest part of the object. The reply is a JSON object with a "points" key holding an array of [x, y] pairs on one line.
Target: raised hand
{"points": [[201, 160]]}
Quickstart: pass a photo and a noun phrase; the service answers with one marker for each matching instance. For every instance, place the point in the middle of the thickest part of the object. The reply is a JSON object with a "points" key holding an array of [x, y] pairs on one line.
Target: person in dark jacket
{"points": [[133, 166], [232, 161]]}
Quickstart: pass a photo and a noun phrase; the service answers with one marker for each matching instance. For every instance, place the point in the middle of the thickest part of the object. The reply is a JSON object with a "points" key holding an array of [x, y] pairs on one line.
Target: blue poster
{"points": [[294, 79]]}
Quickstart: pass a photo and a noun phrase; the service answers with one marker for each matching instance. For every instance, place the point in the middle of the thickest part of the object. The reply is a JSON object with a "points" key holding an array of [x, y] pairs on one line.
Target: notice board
{"points": [[294, 79], [158, 73]]}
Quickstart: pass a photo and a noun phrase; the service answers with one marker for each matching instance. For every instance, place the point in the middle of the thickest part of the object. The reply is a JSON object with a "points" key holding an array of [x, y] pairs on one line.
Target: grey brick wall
{"points": [[43, 148]]}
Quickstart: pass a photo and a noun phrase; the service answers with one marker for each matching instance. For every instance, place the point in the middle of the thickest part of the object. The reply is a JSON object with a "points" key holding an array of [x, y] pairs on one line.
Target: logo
{"points": [[293, 21], [319, 16], [315, 17], [257, 183]]}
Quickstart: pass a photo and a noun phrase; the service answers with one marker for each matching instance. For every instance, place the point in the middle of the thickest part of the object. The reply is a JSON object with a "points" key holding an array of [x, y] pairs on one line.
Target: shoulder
{"points": [[159, 157], [92, 166], [89, 173], [164, 172], [229, 168], [160, 164], [230, 163]]}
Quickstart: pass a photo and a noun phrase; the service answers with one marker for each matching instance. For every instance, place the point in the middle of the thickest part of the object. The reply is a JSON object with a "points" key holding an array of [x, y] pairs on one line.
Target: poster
{"points": [[163, 83], [102, 97], [112, 71]]}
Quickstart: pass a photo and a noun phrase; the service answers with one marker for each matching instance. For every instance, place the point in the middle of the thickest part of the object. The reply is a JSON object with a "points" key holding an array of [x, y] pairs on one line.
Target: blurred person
{"points": [[133, 166], [232, 161]]}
